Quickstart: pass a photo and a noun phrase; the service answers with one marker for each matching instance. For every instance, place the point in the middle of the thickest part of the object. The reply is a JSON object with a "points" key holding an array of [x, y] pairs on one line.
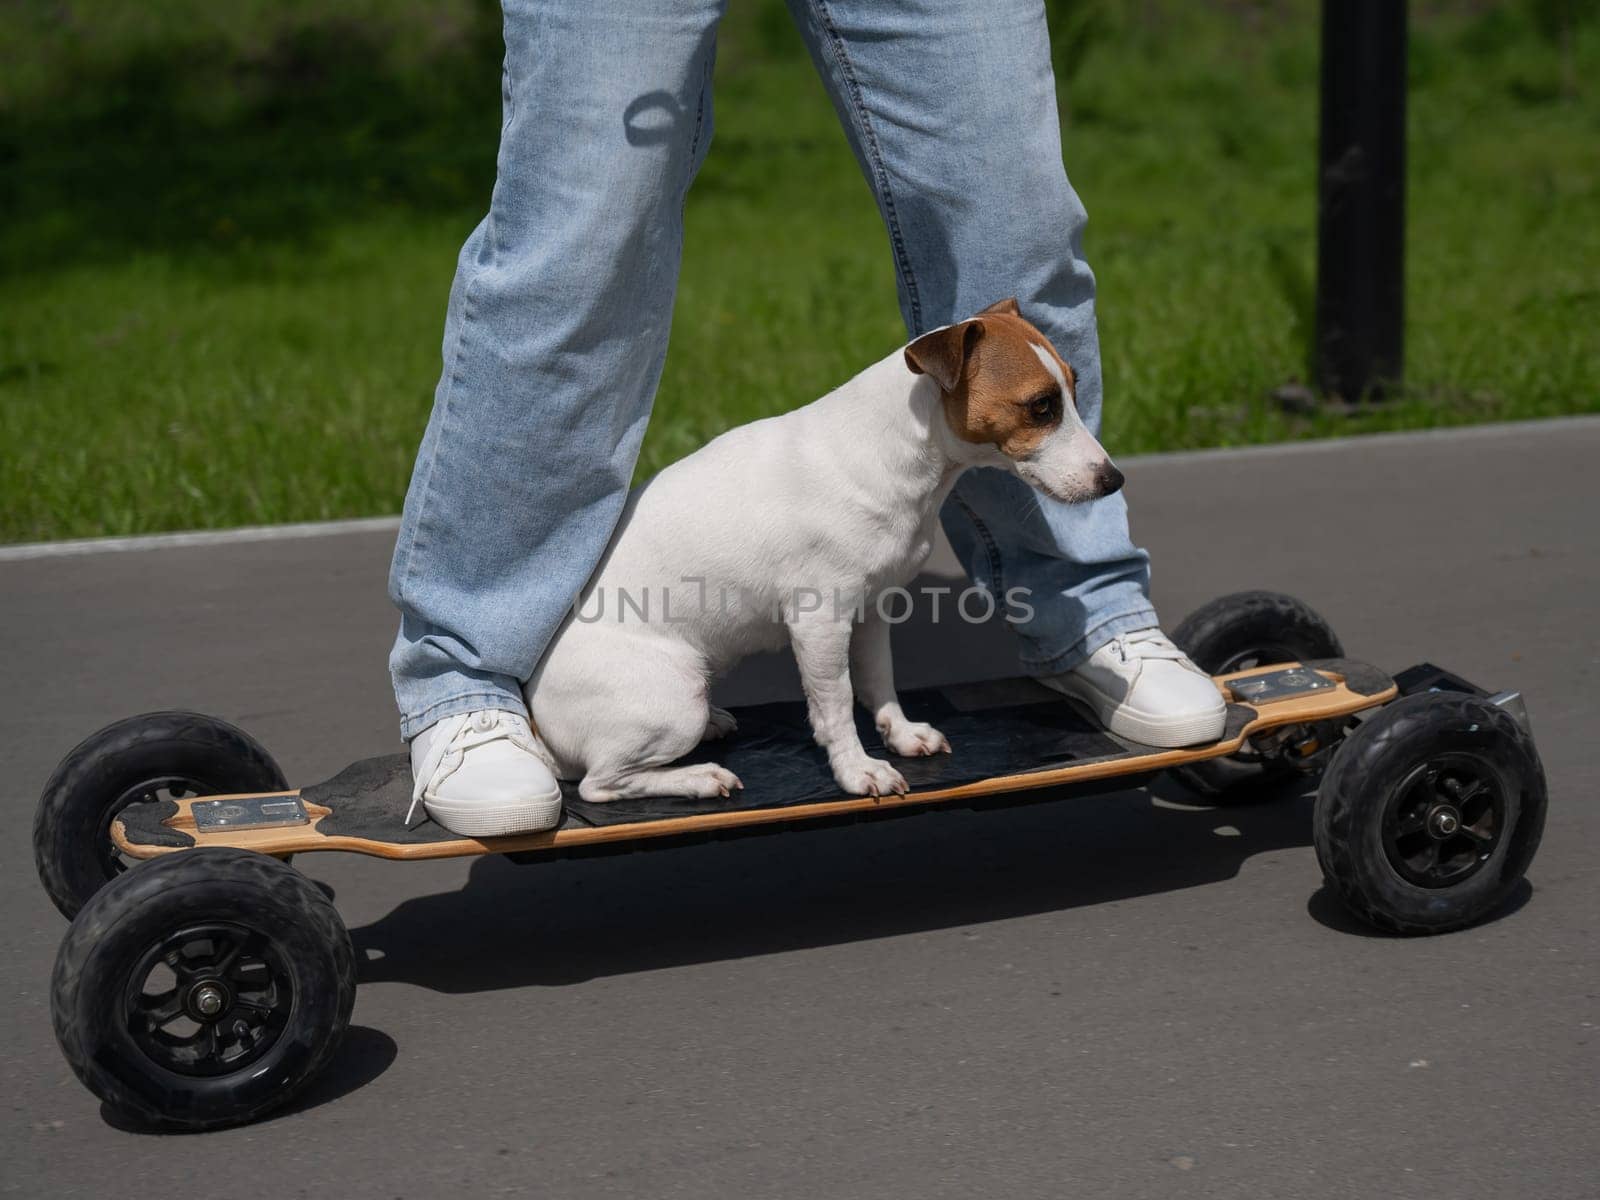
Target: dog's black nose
{"points": [[1108, 479]]}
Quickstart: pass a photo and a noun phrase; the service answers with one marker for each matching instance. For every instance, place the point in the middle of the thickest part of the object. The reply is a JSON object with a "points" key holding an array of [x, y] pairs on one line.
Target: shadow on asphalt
{"points": [[1326, 909], [562, 922], [364, 1055]]}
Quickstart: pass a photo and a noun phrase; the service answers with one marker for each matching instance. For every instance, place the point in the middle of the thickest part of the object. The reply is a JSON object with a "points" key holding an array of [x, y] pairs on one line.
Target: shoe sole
{"points": [[1165, 733], [476, 819]]}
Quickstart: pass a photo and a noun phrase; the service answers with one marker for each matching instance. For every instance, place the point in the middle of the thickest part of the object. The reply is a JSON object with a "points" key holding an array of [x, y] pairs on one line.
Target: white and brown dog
{"points": [[785, 530]]}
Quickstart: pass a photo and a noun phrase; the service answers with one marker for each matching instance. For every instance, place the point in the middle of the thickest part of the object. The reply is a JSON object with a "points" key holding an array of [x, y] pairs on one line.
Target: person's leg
{"points": [[951, 108], [554, 340]]}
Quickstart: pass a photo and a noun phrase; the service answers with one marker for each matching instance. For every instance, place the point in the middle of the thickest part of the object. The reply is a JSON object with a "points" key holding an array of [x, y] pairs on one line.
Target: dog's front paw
{"points": [[870, 777], [915, 739]]}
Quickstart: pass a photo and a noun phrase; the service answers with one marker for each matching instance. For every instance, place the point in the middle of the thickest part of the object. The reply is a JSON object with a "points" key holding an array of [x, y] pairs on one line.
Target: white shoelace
{"points": [[470, 730], [1147, 643]]}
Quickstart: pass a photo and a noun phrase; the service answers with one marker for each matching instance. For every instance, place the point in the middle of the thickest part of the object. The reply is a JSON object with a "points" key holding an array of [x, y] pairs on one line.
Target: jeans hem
{"points": [[1096, 636], [412, 724]]}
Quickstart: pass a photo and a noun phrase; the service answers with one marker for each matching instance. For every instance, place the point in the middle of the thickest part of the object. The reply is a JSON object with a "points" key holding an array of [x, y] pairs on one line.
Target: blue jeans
{"points": [[559, 313]]}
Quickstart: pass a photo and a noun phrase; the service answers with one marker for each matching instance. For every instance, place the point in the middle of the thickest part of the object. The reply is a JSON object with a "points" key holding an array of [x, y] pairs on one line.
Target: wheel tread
{"points": [[163, 884], [1345, 799], [1217, 632], [68, 814]]}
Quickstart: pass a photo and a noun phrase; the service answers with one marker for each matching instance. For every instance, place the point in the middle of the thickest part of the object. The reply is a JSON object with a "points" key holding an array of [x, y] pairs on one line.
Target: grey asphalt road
{"points": [[1122, 996]]}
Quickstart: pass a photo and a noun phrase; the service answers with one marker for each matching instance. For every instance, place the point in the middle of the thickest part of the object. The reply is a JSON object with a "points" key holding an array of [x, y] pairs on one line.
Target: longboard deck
{"points": [[1009, 736]]}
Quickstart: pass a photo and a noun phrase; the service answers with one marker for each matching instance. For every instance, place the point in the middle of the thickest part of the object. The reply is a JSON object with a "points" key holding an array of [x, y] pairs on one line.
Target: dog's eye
{"points": [[1042, 408]]}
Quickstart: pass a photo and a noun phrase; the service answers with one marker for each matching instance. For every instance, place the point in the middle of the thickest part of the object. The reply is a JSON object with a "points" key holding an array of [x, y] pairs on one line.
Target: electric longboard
{"points": [[1010, 738], [204, 980]]}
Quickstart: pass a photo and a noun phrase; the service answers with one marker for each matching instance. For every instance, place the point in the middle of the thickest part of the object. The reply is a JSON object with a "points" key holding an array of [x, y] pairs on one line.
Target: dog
{"points": [[754, 540]]}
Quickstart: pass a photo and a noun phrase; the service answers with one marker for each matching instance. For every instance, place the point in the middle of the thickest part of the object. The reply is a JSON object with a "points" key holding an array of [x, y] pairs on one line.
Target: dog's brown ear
{"points": [[1007, 306], [943, 353]]}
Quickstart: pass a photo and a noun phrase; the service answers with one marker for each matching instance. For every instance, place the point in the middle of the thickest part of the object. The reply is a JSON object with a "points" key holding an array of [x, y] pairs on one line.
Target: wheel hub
{"points": [[1445, 820], [208, 1000]]}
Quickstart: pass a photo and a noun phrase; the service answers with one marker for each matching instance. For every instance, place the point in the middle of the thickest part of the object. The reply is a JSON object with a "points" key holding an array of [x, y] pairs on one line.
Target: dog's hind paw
{"points": [[870, 777], [705, 780], [700, 780], [915, 739]]}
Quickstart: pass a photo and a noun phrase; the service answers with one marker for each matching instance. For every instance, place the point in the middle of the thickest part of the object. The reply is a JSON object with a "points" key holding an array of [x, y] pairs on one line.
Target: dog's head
{"points": [[1011, 398]]}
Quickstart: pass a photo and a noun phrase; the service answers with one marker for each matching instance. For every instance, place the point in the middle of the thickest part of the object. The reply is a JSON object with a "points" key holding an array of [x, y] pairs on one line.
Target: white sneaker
{"points": [[1144, 688], [483, 774]]}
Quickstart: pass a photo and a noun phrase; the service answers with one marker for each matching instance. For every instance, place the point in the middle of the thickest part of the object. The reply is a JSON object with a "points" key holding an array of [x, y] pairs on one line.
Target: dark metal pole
{"points": [[1361, 199]]}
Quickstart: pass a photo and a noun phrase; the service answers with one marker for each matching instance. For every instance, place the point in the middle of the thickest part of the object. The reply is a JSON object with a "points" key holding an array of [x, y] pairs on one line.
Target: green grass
{"points": [[227, 233]]}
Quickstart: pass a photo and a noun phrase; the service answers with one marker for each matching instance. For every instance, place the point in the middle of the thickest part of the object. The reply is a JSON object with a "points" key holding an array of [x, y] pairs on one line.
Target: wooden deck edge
{"points": [[305, 839]]}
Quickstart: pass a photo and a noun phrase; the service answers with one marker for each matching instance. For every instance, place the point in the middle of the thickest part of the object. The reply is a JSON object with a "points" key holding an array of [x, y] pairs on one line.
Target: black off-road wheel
{"points": [[203, 989], [163, 755], [1234, 633], [1430, 812]]}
